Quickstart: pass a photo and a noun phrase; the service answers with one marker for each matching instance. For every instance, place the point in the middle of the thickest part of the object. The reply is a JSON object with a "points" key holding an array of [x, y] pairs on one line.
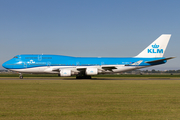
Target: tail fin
{"points": [[157, 48]]}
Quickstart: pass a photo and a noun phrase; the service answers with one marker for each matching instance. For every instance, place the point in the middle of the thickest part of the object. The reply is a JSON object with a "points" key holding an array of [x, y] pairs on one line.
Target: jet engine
{"points": [[91, 71], [65, 73]]}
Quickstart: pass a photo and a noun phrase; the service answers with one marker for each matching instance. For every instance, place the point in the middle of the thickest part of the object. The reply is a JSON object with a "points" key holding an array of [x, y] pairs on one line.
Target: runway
{"points": [[97, 78]]}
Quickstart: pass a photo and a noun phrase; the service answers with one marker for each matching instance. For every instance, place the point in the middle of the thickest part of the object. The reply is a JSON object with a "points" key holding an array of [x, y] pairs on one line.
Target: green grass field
{"points": [[71, 99], [123, 75]]}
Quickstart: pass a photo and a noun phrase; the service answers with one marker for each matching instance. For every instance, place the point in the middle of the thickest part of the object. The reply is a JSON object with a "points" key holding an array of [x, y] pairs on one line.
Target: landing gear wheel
{"points": [[83, 77], [20, 76], [87, 77], [78, 77]]}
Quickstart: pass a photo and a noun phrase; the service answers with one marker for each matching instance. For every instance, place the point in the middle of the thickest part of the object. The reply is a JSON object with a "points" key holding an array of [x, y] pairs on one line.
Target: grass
{"points": [[50, 98], [56, 75]]}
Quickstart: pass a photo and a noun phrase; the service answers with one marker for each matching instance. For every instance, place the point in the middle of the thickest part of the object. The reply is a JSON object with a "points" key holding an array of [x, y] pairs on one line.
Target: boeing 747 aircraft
{"points": [[85, 67]]}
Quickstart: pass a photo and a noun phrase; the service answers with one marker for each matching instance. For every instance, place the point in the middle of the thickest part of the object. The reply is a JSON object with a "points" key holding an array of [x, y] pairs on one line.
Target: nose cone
{"points": [[4, 65], [7, 65]]}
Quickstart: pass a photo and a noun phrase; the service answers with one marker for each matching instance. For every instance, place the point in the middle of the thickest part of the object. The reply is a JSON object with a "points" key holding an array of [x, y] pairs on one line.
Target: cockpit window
{"points": [[15, 57]]}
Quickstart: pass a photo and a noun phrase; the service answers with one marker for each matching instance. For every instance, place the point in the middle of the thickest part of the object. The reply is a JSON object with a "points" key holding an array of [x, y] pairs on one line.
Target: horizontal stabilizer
{"points": [[154, 61]]}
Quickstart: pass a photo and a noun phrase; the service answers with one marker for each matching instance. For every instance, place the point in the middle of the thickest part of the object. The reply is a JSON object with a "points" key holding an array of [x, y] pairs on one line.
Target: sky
{"points": [[88, 28]]}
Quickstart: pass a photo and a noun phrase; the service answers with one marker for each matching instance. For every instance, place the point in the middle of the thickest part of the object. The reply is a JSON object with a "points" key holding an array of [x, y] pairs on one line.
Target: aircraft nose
{"points": [[4, 65]]}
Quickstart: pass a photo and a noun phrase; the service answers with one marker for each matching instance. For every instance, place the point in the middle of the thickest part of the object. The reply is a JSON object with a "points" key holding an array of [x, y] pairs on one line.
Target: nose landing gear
{"points": [[20, 76]]}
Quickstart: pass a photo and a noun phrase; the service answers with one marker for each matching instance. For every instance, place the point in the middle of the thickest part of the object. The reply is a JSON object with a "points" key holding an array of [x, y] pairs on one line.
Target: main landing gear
{"points": [[83, 77], [20, 76]]}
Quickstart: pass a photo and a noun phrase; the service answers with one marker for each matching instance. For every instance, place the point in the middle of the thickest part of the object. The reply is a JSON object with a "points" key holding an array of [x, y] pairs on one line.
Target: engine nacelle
{"points": [[91, 71], [65, 73]]}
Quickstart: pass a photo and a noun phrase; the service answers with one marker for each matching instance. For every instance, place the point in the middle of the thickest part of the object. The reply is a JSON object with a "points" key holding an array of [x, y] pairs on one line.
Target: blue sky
{"points": [[107, 28]]}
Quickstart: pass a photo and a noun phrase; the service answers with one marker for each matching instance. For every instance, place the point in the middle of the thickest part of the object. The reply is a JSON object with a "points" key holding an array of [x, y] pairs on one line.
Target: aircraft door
{"points": [[39, 57], [48, 64], [25, 65]]}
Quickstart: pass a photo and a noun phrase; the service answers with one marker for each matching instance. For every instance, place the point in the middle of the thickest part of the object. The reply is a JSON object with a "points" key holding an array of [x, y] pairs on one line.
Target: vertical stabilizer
{"points": [[157, 48]]}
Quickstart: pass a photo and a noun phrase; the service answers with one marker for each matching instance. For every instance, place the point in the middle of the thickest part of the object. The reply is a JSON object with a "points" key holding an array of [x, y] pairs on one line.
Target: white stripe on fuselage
{"points": [[49, 69]]}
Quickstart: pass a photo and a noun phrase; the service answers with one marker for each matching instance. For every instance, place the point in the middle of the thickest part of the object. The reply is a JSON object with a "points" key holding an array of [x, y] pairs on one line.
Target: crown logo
{"points": [[155, 46]]}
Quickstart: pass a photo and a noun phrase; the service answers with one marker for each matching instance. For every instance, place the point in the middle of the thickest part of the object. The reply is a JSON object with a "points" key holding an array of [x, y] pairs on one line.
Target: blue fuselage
{"points": [[31, 61]]}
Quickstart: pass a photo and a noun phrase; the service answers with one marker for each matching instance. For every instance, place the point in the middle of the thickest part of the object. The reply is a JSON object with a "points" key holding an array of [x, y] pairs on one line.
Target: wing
{"points": [[69, 68], [83, 69], [154, 61], [110, 68], [104, 68]]}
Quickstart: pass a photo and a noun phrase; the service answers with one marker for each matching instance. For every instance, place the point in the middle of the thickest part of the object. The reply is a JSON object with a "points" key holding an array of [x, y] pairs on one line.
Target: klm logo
{"points": [[31, 62], [155, 49]]}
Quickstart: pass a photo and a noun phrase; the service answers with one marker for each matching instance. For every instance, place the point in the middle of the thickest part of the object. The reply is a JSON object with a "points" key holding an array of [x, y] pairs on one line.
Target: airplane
{"points": [[85, 67]]}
